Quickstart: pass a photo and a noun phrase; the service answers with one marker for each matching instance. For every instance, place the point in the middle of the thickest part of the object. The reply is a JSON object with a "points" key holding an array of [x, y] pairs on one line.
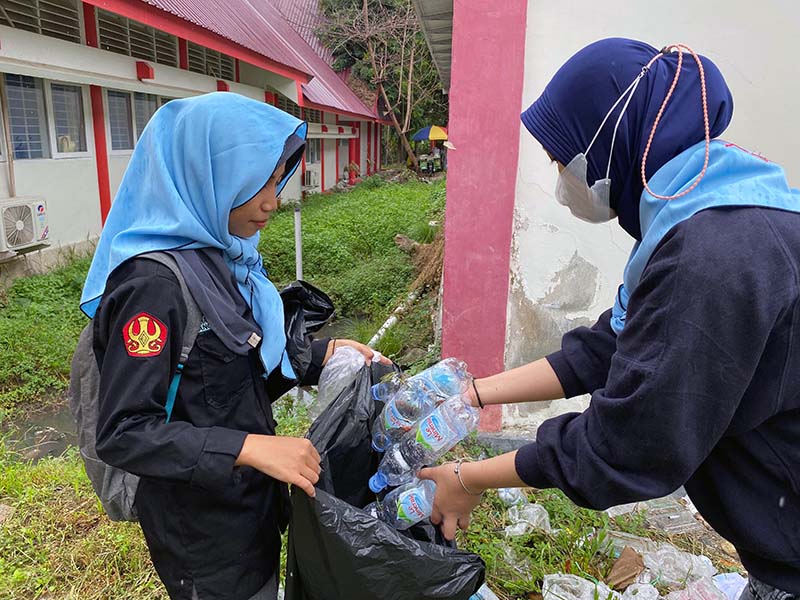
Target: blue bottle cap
{"points": [[376, 447], [377, 482]]}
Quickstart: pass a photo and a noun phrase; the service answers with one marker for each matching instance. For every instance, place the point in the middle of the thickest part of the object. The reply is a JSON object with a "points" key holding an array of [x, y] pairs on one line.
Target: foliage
{"points": [[39, 326]]}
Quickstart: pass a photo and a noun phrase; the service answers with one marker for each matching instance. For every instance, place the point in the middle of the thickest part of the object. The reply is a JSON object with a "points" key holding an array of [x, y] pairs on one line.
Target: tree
{"points": [[382, 43]]}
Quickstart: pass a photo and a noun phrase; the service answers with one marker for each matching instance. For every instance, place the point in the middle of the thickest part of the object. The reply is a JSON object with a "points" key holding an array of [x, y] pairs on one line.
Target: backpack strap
{"points": [[193, 318]]}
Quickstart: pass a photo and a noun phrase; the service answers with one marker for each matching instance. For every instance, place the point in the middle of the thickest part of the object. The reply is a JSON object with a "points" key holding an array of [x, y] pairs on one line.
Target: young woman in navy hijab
{"points": [[202, 182], [695, 372]]}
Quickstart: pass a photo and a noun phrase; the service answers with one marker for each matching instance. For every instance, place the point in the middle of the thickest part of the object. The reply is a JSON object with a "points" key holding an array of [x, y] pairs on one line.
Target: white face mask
{"points": [[592, 204]]}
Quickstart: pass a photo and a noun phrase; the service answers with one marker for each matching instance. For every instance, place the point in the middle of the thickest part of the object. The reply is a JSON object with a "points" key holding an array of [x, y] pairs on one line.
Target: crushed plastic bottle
{"points": [[339, 372], [401, 412], [730, 584], [512, 496], [432, 437], [641, 591], [702, 589], [446, 378], [572, 587], [405, 506], [526, 518], [673, 567], [484, 593]]}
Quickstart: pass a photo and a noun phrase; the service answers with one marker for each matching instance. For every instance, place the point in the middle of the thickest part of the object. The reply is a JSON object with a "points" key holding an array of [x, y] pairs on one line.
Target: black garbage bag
{"points": [[336, 550], [306, 309]]}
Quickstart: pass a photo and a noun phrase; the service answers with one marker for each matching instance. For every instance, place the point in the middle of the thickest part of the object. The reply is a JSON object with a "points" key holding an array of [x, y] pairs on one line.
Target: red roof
{"points": [[256, 26], [304, 16]]}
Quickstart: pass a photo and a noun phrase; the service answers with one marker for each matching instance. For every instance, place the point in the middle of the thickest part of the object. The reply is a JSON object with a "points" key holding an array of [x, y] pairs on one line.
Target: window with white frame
{"points": [[313, 151], [54, 18], [131, 38], [26, 116], [120, 120], [69, 120], [210, 62], [144, 107]]}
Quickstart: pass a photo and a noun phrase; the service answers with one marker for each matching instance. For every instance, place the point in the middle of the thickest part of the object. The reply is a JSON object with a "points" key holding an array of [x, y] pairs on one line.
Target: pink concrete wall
{"points": [[485, 101]]}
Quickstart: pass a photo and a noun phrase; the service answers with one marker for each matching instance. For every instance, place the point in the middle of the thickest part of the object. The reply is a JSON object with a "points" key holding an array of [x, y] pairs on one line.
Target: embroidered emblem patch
{"points": [[144, 336]]}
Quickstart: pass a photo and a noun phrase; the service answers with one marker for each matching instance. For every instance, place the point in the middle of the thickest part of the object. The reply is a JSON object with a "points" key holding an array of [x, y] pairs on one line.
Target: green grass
{"points": [[39, 326], [348, 242]]}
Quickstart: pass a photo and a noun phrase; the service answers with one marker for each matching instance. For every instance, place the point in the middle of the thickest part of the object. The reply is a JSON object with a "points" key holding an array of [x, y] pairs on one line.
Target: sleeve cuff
{"points": [[318, 350], [526, 462], [566, 375], [220, 451]]}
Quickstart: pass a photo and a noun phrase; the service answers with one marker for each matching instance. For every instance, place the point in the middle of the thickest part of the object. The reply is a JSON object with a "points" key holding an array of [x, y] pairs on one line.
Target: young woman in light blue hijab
{"points": [[201, 184]]}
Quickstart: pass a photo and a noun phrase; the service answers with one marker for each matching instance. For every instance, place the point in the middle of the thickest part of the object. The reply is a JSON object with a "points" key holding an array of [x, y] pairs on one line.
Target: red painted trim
{"points": [[164, 21], [90, 26], [341, 129], [144, 71], [183, 54], [335, 111], [236, 64], [322, 164], [270, 98], [101, 150], [377, 166], [369, 147], [301, 101], [486, 129], [337, 159], [324, 129], [222, 86]]}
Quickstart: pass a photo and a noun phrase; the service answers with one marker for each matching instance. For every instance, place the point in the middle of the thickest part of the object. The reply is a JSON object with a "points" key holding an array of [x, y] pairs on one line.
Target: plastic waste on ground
{"points": [[431, 438], [622, 509], [616, 541], [672, 567], [702, 589], [405, 506], [572, 587], [448, 377], [730, 584], [484, 593], [401, 412], [512, 496], [526, 518], [641, 591]]}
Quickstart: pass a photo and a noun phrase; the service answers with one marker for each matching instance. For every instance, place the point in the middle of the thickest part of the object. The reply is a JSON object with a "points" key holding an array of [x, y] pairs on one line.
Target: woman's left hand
{"points": [[365, 350], [452, 505]]}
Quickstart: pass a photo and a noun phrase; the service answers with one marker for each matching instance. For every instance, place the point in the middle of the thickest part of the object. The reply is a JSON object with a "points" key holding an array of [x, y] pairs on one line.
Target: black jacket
{"points": [[701, 388], [207, 523]]}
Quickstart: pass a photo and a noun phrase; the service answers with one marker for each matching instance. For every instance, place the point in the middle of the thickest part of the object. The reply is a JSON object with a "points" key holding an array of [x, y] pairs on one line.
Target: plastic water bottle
{"points": [[432, 437], [406, 505], [484, 593], [400, 414], [446, 378]]}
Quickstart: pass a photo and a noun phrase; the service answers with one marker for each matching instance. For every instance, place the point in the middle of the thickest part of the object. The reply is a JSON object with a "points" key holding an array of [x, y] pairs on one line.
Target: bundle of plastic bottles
{"points": [[423, 418]]}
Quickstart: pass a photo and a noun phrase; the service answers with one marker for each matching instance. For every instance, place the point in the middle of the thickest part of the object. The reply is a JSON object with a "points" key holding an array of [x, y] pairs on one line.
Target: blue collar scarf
{"points": [[198, 159], [735, 178]]}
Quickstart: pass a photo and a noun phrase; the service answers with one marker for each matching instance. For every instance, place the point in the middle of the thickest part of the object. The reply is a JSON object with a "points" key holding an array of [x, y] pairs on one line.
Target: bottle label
{"points": [[433, 433], [412, 506], [392, 419]]}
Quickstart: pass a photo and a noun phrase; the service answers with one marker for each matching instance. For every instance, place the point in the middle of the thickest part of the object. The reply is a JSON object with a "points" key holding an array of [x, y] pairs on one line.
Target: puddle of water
{"points": [[47, 433]]}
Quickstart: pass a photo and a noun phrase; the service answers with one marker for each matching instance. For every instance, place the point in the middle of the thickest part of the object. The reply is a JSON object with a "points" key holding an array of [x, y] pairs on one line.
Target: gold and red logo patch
{"points": [[144, 336]]}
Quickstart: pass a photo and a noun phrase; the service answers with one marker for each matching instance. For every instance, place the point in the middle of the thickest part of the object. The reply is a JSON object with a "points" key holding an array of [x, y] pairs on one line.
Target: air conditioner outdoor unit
{"points": [[24, 224]]}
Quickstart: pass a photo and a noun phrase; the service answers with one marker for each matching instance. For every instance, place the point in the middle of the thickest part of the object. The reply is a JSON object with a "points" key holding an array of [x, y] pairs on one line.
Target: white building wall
{"points": [[564, 272], [364, 146]]}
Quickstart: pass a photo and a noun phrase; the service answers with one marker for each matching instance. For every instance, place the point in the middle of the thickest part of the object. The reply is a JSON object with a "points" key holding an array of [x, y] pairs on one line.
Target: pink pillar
{"points": [[481, 183]]}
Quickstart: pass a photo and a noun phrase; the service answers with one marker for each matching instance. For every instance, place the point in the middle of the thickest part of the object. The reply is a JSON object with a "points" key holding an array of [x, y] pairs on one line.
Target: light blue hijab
{"points": [[198, 159], [735, 178]]}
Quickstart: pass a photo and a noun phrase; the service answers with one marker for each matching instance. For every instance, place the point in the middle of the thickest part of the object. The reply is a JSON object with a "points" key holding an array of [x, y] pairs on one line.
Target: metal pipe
{"points": [[298, 243], [12, 184]]}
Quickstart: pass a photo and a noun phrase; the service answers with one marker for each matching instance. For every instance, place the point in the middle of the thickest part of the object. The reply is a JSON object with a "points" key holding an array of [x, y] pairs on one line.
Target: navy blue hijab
{"points": [[573, 105]]}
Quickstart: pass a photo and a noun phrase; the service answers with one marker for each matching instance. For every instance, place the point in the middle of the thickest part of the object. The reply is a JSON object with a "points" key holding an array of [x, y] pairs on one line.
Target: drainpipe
{"points": [[12, 185]]}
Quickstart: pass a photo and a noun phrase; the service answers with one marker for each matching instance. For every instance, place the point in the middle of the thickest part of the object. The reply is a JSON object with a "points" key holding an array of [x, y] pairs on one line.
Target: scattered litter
{"points": [[622, 509], [626, 569], [572, 587], [484, 593], [526, 518], [617, 541], [730, 584], [672, 567], [702, 589], [518, 563], [672, 516], [512, 496], [641, 591]]}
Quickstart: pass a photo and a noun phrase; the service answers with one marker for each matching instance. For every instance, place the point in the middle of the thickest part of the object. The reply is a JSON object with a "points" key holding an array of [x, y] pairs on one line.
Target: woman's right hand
{"points": [[288, 459]]}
